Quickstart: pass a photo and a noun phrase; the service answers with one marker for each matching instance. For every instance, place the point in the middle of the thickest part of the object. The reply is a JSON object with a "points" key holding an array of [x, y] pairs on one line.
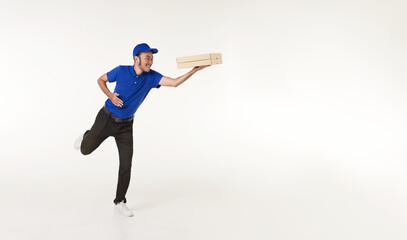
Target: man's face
{"points": [[145, 61]]}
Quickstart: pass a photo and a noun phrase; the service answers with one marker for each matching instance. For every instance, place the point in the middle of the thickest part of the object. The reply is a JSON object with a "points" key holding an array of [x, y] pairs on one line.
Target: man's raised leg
{"points": [[96, 135]]}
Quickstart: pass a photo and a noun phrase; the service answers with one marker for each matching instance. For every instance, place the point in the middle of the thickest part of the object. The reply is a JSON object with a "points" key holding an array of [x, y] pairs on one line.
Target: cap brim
{"points": [[154, 50]]}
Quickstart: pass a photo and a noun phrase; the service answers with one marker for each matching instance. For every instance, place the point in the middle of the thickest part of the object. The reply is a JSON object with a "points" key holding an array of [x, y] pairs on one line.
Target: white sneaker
{"points": [[121, 208], [78, 142]]}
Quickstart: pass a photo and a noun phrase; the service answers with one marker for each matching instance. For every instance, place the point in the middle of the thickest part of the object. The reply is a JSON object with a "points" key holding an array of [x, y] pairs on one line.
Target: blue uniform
{"points": [[132, 89]]}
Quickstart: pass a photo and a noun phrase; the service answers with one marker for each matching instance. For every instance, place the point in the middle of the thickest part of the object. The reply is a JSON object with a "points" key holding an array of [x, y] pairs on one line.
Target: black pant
{"points": [[104, 127]]}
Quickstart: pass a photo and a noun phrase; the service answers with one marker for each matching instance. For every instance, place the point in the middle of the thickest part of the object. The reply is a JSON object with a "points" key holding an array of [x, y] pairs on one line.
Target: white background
{"points": [[299, 134]]}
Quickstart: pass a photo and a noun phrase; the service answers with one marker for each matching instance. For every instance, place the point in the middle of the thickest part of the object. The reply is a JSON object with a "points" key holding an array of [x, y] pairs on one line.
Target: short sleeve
{"points": [[156, 79], [112, 75]]}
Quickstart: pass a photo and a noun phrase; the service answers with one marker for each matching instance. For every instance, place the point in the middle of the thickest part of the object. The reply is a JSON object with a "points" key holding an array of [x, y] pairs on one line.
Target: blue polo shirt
{"points": [[132, 89]]}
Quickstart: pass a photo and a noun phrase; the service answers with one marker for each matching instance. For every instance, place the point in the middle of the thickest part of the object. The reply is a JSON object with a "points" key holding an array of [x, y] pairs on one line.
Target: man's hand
{"points": [[116, 100], [198, 68]]}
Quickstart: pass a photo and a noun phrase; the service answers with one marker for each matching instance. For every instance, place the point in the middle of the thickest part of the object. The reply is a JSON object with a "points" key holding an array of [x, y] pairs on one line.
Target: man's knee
{"points": [[85, 151]]}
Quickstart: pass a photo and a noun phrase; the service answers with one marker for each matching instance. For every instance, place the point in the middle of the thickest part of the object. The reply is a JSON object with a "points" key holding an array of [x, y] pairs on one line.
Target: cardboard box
{"points": [[199, 60]]}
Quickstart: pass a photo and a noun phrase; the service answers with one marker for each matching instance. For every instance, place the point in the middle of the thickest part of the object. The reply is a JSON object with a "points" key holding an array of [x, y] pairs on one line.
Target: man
{"points": [[133, 83]]}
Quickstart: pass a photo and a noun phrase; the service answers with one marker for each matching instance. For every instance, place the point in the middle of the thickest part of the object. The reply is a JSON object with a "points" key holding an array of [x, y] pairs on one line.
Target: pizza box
{"points": [[199, 60]]}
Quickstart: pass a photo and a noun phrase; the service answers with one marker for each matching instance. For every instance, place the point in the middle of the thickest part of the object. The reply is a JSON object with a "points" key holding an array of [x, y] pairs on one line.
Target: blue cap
{"points": [[143, 47]]}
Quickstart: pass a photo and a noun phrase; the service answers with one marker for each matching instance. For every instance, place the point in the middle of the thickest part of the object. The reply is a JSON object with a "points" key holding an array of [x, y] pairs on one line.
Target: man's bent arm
{"points": [[171, 82], [102, 84], [112, 96]]}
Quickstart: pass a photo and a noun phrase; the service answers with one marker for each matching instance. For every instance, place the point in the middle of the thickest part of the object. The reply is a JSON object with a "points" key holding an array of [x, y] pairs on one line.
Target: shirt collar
{"points": [[133, 73]]}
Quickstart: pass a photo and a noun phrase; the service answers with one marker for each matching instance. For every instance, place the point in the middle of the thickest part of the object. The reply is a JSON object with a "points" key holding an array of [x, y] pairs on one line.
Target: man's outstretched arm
{"points": [[175, 82]]}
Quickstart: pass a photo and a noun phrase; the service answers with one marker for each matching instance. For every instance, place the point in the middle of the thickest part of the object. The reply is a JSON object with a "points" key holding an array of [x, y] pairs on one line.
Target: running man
{"points": [[133, 83]]}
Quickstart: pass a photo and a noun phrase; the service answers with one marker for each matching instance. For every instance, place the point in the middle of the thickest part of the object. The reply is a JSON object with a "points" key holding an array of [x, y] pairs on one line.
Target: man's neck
{"points": [[137, 70]]}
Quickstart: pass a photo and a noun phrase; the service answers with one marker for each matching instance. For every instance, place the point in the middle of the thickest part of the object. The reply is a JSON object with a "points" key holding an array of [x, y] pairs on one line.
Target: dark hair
{"points": [[137, 55]]}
